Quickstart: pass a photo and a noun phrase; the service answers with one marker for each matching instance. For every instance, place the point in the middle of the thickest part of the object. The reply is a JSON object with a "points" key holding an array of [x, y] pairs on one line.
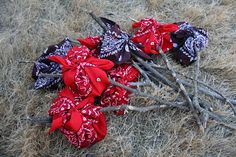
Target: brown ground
{"points": [[29, 26]]}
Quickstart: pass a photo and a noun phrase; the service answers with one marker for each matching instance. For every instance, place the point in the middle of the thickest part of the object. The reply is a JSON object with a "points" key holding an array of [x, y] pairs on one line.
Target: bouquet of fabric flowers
{"points": [[102, 70]]}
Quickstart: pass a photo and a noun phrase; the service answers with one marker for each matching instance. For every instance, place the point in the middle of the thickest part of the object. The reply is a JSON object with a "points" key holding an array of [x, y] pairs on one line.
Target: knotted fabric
{"points": [[152, 34], [116, 44], [83, 72], [44, 65], [79, 120], [188, 41], [114, 95]]}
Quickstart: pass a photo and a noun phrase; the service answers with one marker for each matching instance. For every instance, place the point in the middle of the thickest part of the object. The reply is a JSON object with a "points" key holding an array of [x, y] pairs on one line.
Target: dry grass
{"points": [[28, 26]]}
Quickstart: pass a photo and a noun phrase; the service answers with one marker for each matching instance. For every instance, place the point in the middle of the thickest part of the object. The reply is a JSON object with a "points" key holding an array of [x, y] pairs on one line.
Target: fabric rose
{"points": [[116, 44], [79, 120], [114, 95], [44, 65], [188, 41], [83, 72], [152, 34]]}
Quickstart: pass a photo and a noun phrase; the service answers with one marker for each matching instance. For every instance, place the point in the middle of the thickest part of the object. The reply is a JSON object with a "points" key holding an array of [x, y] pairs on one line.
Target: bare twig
{"points": [[195, 97], [75, 42], [147, 80], [98, 20], [156, 73], [132, 19], [48, 120], [140, 109], [214, 92], [136, 92], [23, 61], [50, 75], [182, 88], [204, 118], [40, 120]]}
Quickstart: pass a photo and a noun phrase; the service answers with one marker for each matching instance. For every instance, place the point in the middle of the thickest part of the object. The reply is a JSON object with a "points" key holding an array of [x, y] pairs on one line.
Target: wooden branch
{"points": [[50, 75], [182, 89], [195, 97], [23, 61], [132, 19], [147, 80], [99, 21], [48, 120], [75, 42], [213, 92], [156, 73], [136, 92]]}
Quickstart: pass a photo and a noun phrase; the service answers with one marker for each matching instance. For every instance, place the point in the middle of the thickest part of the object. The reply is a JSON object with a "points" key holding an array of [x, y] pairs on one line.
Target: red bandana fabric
{"points": [[114, 95], [79, 120], [83, 72], [91, 42], [117, 46], [152, 34]]}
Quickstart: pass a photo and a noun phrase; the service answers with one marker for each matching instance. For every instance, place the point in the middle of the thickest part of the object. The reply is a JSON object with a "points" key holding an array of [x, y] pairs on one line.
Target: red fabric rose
{"points": [[79, 120], [84, 73], [114, 95], [151, 34]]}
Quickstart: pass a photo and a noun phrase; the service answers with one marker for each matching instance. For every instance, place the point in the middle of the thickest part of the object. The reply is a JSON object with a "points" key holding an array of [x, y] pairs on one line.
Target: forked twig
{"points": [[136, 92], [182, 88], [147, 80]]}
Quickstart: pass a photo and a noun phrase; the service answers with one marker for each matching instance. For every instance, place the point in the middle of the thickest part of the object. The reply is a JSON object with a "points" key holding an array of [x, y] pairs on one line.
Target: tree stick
{"points": [[98, 20], [136, 92], [214, 93], [143, 73], [182, 89]]}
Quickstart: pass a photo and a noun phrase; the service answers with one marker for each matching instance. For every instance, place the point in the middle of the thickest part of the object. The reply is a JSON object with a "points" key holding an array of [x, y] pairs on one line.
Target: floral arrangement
{"points": [[102, 71]]}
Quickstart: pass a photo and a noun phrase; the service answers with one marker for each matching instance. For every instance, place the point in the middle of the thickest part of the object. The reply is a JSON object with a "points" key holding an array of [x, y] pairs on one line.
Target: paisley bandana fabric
{"points": [[79, 120], [114, 95], [93, 43], [152, 34], [116, 44], [44, 65], [84, 73], [188, 41]]}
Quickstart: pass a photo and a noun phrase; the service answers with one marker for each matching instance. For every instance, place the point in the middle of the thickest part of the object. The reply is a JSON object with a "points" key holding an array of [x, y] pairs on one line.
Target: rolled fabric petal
{"points": [[114, 95], [116, 44], [44, 65], [188, 41], [78, 119], [92, 42], [152, 34], [84, 73]]}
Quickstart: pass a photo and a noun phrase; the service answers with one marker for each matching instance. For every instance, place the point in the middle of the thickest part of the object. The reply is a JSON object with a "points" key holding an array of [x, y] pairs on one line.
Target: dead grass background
{"points": [[29, 26]]}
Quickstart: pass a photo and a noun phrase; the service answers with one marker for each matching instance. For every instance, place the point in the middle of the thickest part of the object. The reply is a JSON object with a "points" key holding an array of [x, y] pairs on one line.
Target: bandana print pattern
{"points": [[87, 134], [116, 44], [152, 34], [188, 41], [114, 95], [79, 120], [44, 65], [78, 71]]}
